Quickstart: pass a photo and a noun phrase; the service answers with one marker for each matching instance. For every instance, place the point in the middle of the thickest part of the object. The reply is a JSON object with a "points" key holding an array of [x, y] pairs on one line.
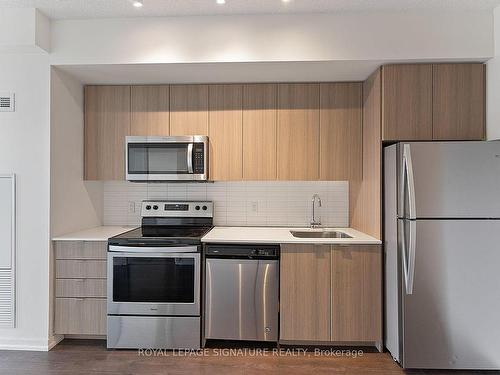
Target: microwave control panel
{"points": [[198, 158]]}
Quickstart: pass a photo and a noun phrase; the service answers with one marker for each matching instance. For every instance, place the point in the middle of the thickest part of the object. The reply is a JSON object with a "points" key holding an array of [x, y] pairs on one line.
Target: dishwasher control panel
{"points": [[243, 251]]}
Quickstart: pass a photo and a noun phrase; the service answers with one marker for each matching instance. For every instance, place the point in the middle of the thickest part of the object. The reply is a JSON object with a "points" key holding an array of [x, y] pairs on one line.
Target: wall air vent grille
{"points": [[6, 102]]}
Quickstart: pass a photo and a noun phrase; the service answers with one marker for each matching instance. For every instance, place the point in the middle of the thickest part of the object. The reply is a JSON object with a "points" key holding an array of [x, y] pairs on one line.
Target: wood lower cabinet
{"points": [[305, 293], [407, 102], [107, 123], [80, 316], [356, 293], [298, 131], [149, 110], [331, 294], [80, 288], [459, 101], [226, 132], [189, 110]]}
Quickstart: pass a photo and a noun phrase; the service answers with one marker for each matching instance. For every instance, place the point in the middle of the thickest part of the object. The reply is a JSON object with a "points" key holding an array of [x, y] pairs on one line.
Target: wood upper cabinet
{"points": [[298, 131], [341, 130], [259, 131], [107, 123], [407, 102], [189, 110], [225, 132], [149, 110], [356, 293], [459, 101], [305, 293]]}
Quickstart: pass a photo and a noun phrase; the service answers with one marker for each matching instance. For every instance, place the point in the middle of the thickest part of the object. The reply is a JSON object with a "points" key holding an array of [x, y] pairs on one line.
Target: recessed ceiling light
{"points": [[220, 2], [137, 3], [286, 1]]}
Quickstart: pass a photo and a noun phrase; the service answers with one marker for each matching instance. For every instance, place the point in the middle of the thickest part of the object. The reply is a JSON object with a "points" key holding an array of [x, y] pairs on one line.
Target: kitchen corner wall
{"points": [[269, 203]]}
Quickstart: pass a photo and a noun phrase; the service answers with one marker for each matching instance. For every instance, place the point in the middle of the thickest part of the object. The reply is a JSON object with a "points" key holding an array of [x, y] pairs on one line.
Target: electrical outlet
{"points": [[255, 206], [131, 207]]}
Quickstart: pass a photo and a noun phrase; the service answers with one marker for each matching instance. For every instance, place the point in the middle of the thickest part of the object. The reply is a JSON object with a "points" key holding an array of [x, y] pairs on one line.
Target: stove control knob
{"points": [[204, 208], [155, 207], [197, 208], [148, 207]]}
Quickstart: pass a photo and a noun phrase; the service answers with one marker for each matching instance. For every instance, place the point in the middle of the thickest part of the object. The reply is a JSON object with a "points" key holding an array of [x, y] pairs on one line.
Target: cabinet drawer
{"points": [[77, 269], [81, 288], [81, 249], [80, 316]]}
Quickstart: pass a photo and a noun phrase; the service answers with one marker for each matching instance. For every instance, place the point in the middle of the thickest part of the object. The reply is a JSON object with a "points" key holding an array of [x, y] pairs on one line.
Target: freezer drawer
{"points": [[450, 319], [241, 299]]}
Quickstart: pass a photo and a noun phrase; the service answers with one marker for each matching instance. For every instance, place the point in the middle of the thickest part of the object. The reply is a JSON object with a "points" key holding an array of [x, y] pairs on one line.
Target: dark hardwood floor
{"points": [[78, 357]]}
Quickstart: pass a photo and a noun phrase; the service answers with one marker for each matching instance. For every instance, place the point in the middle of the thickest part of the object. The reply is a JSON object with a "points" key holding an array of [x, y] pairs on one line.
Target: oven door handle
{"points": [[146, 249]]}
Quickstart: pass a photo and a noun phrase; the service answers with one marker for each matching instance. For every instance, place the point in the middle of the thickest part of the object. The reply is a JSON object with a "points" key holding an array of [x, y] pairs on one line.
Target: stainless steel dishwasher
{"points": [[241, 292]]}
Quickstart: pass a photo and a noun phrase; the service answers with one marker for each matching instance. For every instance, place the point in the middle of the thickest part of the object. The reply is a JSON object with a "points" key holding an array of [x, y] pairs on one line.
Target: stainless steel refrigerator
{"points": [[442, 254]]}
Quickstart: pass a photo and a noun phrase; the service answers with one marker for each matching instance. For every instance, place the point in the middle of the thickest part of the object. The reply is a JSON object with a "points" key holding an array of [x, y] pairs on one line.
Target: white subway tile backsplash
{"points": [[267, 203]]}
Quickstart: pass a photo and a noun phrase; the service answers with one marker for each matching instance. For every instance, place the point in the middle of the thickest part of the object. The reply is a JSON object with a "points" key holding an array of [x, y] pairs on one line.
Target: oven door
{"points": [[153, 281], [166, 158]]}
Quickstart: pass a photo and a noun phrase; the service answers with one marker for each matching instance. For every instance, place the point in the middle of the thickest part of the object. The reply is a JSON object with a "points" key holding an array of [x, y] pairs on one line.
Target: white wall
{"points": [[24, 150], [312, 37], [75, 204], [493, 86], [24, 30]]}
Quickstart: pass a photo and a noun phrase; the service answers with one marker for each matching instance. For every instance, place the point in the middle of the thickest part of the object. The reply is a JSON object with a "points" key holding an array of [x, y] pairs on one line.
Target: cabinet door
{"points": [[459, 102], [356, 312], [407, 102], [305, 293], [189, 110], [259, 131], [149, 110], [80, 316], [340, 131], [107, 123], [225, 132], [298, 131]]}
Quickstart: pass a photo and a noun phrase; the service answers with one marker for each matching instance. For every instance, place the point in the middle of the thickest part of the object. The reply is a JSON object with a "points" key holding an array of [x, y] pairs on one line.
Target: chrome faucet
{"points": [[314, 223]]}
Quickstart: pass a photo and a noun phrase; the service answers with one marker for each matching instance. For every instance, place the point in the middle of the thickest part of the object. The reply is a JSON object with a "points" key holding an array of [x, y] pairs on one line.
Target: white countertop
{"points": [[275, 235], [93, 234]]}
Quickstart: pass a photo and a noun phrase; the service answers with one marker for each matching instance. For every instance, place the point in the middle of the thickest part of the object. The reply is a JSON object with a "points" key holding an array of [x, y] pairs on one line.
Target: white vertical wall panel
{"points": [[7, 250]]}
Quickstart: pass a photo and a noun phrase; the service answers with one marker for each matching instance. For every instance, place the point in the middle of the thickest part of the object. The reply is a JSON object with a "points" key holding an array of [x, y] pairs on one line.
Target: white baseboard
{"points": [[54, 340], [24, 344]]}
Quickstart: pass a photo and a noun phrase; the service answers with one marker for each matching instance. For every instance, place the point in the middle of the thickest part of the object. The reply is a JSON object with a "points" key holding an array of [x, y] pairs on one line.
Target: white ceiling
{"points": [[72, 9]]}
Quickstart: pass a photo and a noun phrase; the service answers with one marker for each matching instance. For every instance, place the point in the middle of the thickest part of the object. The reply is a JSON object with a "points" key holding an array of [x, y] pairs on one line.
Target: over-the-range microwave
{"points": [[180, 158]]}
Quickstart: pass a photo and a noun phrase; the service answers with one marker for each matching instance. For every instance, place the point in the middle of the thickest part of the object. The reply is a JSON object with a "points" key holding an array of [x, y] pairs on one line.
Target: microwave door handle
{"points": [[190, 158]]}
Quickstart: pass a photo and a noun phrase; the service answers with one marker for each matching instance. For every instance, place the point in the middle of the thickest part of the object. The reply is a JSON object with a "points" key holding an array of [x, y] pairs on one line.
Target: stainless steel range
{"points": [[154, 277]]}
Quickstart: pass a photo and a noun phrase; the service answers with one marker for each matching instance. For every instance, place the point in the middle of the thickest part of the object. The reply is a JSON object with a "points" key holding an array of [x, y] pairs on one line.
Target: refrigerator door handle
{"points": [[411, 256], [410, 183], [402, 239], [408, 256]]}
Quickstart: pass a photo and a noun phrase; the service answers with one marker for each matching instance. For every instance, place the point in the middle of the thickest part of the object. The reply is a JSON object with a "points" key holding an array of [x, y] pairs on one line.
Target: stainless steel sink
{"points": [[319, 234]]}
